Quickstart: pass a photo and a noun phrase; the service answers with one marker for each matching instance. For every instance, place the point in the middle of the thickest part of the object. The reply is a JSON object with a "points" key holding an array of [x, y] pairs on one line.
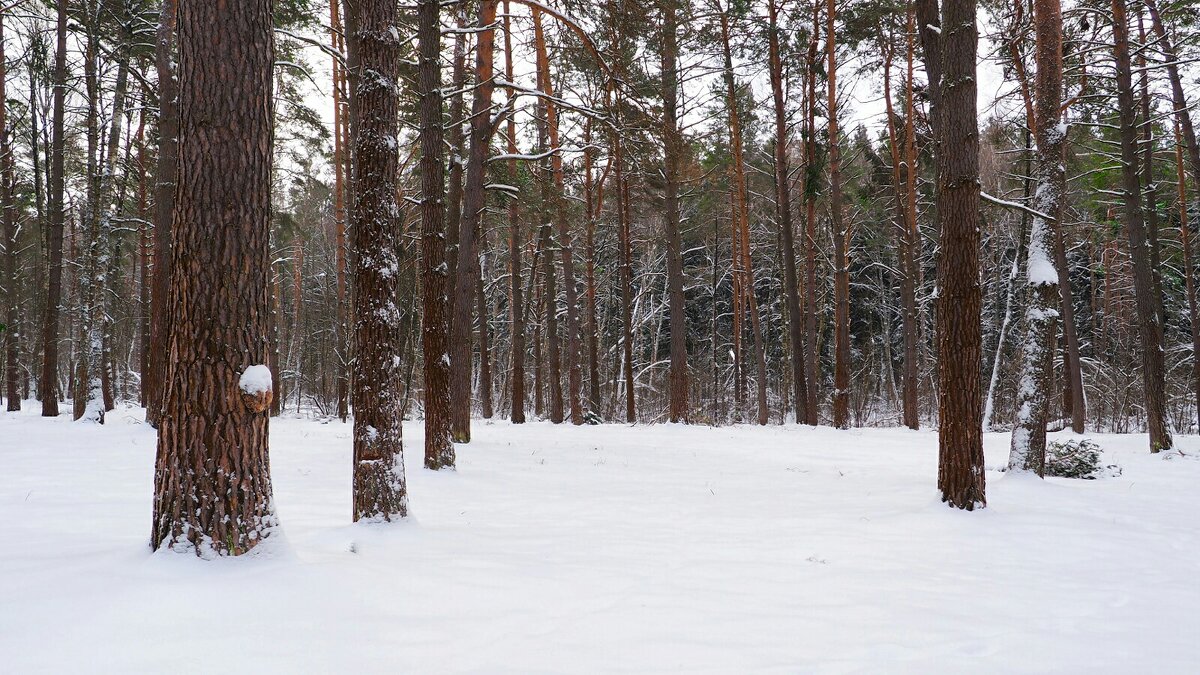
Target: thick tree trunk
{"points": [[783, 213], [373, 38], [48, 386], [212, 480], [956, 125], [435, 322], [678, 387], [1028, 447], [1149, 328]]}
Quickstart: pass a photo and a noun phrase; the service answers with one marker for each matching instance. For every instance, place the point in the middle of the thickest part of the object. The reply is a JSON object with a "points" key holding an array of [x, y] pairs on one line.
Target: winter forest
{"points": [[613, 336]]}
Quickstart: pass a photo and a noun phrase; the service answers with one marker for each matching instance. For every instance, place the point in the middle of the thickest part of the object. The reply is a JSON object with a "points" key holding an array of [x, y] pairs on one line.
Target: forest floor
{"points": [[560, 549]]}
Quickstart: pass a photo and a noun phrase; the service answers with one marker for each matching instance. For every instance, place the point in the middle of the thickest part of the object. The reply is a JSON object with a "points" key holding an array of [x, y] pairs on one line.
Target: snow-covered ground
{"points": [[559, 549]]}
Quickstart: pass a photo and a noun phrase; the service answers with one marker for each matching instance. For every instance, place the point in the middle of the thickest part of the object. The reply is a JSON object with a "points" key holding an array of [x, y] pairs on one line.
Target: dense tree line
{"points": [[700, 211]]}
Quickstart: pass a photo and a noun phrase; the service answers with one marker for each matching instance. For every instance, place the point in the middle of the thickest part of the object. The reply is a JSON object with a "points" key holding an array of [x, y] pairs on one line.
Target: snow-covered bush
{"points": [[1077, 458]]}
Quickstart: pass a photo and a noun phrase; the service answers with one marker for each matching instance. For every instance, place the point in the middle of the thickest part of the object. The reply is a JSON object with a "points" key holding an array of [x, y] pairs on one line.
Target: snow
{"points": [[560, 549], [255, 380]]}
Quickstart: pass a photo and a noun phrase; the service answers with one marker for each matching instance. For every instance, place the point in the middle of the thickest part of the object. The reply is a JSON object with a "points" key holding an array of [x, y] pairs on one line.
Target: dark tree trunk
{"points": [[485, 356], [469, 225], [960, 435], [1185, 240], [435, 324], [375, 383], [164, 200], [145, 254], [1149, 328], [337, 44], [910, 246], [516, 305], [558, 210], [212, 480], [625, 247], [783, 211], [811, 171], [48, 386], [841, 241], [743, 261], [671, 150], [9, 218]]}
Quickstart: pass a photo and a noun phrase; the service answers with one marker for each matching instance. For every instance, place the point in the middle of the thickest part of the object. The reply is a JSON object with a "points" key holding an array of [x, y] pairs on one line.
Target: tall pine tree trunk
{"points": [[956, 127], [48, 386], [1150, 330], [841, 240], [558, 212], [373, 38], [212, 481], [515, 304], [1028, 447], [469, 225], [435, 321], [678, 387], [743, 262], [783, 214], [8, 218], [164, 200]]}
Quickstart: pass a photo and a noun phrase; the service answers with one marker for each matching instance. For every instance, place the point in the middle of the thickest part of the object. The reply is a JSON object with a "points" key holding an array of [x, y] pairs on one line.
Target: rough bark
{"points": [[472, 215], [1027, 451], [372, 30], [435, 322], [212, 480], [1150, 330], [960, 438]]}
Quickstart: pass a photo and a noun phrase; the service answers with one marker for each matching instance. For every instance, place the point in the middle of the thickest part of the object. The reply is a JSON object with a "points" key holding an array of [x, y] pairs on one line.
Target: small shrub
{"points": [[1077, 458]]}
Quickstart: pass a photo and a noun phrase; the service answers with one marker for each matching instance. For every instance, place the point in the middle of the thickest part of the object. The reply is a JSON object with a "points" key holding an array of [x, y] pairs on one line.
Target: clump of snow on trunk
{"points": [[255, 385]]}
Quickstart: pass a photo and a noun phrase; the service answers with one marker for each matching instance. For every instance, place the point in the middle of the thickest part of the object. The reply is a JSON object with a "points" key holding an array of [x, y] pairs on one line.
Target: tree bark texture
{"points": [[212, 480], [372, 28]]}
